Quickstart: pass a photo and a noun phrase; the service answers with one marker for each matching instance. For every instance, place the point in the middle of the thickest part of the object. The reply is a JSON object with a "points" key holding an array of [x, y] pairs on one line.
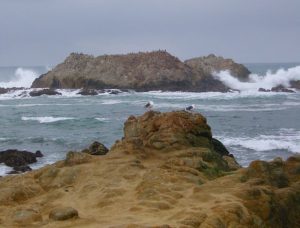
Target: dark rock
{"points": [[264, 90], [20, 169], [295, 84], [96, 148], [3, 90], [220, 148], [88, 92], [48, 92], [16, 158], [115, 92], [63, 213], [281, 88], [6, 90]]}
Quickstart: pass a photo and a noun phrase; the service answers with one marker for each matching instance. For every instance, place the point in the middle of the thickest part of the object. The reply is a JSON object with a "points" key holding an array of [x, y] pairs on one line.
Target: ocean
{"points": [[252, 125]]}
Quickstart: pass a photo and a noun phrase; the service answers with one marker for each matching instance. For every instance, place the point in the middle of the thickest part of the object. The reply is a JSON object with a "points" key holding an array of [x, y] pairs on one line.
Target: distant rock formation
{"points": [[167, 171], [156, 70], [211, 63]]}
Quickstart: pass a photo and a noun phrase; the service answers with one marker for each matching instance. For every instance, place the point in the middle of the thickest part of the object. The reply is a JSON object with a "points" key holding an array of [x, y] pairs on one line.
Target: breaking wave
{"points": [[287, 139], [267, 81], [47, 119], [22, 78]]}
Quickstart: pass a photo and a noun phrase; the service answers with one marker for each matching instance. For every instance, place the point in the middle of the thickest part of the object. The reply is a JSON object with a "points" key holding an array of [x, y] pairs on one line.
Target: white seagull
{"points": [[190, 108], [149, 105]]}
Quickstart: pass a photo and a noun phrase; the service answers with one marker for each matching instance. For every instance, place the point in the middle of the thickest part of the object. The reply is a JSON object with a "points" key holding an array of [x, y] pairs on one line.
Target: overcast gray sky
{"points": [[44, 32]]}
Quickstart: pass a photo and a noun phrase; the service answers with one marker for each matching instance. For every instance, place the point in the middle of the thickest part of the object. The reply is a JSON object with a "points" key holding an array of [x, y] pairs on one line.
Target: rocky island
{"points": [[167, 171], [157, 70]]}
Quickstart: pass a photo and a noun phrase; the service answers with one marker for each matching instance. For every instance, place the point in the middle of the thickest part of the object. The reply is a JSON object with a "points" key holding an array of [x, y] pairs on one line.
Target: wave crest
{"points": [[47, 119], [22, 78], [267, 81]]}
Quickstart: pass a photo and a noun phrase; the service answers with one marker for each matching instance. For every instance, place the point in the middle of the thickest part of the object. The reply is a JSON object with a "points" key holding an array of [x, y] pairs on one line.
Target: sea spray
{"points": [[267, 81], [22, 78]]}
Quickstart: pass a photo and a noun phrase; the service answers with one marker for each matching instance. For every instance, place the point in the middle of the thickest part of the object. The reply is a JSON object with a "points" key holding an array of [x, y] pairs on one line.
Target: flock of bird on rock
{"points": [[150, 105]]}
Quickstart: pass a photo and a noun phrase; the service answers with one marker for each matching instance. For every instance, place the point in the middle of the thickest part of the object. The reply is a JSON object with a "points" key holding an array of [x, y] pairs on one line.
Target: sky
{"points": [[44, 32]]}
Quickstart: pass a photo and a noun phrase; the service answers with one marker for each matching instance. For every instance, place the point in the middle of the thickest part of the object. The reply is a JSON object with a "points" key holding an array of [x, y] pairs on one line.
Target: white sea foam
{"points": [[46, 119], [22, 78], [280, 77], [287, 139], [102, 119], [4, 169]]}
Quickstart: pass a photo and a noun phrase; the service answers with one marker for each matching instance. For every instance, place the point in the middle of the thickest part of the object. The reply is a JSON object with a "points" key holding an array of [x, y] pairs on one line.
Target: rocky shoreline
{"points": [[167, 171]]}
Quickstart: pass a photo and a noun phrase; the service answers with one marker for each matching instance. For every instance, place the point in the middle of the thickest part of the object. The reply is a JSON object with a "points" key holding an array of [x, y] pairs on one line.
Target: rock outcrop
{"points": [[96, 148], [141, 72], [295, 84], [211, 63], [167, 171], [19, 160]]}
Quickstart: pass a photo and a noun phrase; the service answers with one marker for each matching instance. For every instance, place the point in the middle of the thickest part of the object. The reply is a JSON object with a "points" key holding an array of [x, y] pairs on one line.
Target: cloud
{"points": [[44, 32]]}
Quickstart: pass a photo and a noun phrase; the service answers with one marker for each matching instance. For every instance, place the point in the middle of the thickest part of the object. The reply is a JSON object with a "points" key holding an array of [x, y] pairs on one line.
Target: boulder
{"points": [[96, 148], [76, 158], [3, 90], [264, 90], [19, 159], [63, 213], [26, 216], [20, 169], [88, 92], [281, 88], [48, 92]]}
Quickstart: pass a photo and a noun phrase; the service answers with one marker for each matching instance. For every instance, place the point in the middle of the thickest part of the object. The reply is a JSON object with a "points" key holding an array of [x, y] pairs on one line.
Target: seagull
{"points": [[190, 108], [149, 105]]}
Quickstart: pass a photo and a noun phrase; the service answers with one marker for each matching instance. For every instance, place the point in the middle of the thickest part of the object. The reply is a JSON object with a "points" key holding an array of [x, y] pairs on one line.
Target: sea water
{"points": [[252, 125]]}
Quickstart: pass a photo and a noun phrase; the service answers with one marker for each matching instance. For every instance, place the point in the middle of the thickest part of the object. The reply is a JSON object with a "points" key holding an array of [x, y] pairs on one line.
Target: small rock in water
{"points": [[63, 213], [16, 158], [88, 92], [49, 92]]}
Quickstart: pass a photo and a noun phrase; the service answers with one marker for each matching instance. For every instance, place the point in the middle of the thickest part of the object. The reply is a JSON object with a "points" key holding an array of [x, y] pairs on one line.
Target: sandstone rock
{"points": [[96, 148], [63, 213], [76, 158], [26, 216], [48, 92], [212, 63], [181, 181]]}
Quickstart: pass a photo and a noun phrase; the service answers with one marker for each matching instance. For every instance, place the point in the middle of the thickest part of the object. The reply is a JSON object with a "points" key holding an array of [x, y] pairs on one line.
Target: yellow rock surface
{"points": [[182, 182]]}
